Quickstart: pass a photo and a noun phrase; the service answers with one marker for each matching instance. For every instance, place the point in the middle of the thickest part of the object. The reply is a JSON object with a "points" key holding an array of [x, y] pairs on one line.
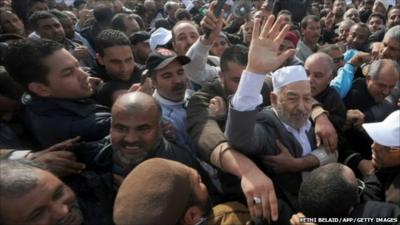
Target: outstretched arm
{"points": [[263, 58], [198, 70]]}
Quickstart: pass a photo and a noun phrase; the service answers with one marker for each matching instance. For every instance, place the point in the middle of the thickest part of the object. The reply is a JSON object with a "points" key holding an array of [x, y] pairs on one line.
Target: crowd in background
{"points": [[182, 112]]}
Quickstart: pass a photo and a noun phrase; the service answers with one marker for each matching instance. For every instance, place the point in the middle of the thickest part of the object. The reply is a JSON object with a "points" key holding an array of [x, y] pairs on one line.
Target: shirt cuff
{"points": [[247, 96], [19, 154]]}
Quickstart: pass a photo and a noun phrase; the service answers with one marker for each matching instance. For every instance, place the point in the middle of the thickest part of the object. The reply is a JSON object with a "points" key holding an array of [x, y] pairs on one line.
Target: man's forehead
{"points": [[394, 12], [388, 76], [47, 21], [118, 52], [129, 106], [7, 14], [392, 42], [315, 63], [298, 88], [117, 48], [357, 28], [185, 27]]}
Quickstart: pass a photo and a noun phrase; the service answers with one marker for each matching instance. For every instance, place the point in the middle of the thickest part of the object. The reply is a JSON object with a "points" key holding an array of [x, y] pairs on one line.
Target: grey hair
{"points": [[327, 59], [168, 6], [17, 177], [394, 33], [376, 66], [327, 48], [347, 22]]}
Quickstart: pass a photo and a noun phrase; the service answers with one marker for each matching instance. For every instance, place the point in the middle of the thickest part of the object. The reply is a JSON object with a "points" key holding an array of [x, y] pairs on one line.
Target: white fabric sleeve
{"points": [[198, 70], [19, 154], [247, 96]]}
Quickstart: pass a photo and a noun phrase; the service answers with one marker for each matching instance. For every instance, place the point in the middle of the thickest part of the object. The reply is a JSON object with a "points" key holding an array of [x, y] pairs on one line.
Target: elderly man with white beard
{"points": [[281, 135]]}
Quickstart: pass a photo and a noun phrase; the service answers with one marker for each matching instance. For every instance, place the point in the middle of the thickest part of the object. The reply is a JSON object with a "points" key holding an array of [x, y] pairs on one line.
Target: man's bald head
{"points": [[323, 58], [319, 67], [135, 129], [135, 102]]}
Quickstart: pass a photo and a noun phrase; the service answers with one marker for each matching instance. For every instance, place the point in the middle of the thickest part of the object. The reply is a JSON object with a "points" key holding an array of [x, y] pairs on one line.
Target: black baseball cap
{"points": [[140, 36], [162, 57]]}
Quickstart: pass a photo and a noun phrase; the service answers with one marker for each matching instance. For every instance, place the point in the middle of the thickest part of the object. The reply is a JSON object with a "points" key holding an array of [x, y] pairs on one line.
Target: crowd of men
{"points": [[172, 112]]}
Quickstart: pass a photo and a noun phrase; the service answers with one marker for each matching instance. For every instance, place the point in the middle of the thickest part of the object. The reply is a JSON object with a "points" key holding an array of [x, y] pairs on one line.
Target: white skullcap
{"points": [[288, 75], [387, 132], [161, 36]]}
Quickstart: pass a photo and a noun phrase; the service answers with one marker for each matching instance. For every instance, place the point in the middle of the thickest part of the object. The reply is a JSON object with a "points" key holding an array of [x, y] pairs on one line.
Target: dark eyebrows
{"points": [[165, 74], [67, 69]]}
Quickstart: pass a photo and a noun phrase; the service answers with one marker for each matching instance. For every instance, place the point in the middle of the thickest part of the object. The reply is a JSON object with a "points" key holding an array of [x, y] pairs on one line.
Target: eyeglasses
{"points": [[360, 186]]}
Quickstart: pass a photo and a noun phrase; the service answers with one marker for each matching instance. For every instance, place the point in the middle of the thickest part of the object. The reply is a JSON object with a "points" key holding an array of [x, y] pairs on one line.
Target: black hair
{"points": [[162, 23], [138, 19], [110, 38], [23, 60], [327, 193], [235, 53], [304, 22], [40, 15], [285, 12], [103, 14], [182, 14], [117, 22], [379, 15], [60, 15], [32, 2]]}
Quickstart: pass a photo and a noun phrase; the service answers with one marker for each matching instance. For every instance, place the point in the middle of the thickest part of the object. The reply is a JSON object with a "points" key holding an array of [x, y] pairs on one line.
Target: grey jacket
{"points": [[255, 133]]}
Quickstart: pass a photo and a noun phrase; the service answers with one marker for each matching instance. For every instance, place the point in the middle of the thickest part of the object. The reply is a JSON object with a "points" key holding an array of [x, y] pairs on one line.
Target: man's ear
{"points": [[221, 75], [39, 89], [154, 83], [302, 31], [274, 98], [192, 216], [99, 59], [174, 45]]}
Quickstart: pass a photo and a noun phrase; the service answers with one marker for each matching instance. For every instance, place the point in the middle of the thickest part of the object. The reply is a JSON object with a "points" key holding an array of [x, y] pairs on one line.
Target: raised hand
{"points": [[145, 86], [329, 20], [263, 52], [212, 23]]}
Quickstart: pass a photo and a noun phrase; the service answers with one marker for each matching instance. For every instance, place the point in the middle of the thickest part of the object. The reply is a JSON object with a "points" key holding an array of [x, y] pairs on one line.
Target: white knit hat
{"points": [[288, 75]]}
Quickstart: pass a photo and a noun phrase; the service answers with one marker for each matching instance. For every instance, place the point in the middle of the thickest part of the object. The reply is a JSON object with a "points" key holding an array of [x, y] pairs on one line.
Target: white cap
{"points": [[288, 75], [387, 132], [161, 36]]}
